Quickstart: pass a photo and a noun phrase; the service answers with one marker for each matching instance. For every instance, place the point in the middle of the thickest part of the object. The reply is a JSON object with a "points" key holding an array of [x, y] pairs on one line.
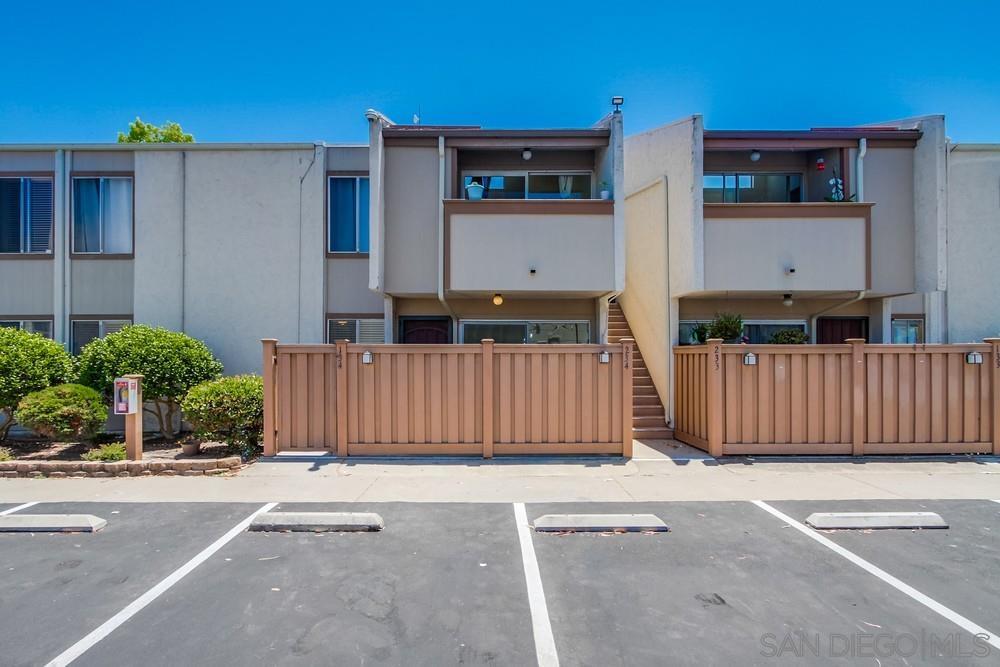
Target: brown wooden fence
{"points": [[838, 399], [448, 399]]}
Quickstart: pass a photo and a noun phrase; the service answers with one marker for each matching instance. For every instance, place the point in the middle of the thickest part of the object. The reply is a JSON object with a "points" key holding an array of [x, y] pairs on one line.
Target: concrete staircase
{"points": [[648, 416]]}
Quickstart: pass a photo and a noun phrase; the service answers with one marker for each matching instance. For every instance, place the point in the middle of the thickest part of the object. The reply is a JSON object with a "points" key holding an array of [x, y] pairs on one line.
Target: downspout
{"points": [[815, 316], [860, 170], [441, 240], [184, 241]]}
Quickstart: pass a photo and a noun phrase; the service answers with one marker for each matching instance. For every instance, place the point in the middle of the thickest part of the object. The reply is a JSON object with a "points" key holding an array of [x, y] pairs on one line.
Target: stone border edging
{"points": [[186, 468]]}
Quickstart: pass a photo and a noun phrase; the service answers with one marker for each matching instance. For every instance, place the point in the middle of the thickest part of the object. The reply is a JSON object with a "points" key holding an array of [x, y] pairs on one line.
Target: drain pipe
{"points": [[859, 189], [812, 318], [441, 241]]}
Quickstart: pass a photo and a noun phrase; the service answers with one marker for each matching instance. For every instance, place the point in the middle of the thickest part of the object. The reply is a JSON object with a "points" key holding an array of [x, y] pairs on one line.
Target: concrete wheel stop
{"points": [[51, 523], [875, 520], [599, 523], [317, 522]]}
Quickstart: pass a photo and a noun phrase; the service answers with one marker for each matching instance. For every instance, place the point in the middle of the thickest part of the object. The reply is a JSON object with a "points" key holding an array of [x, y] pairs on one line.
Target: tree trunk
{"points": [[8, 421]]}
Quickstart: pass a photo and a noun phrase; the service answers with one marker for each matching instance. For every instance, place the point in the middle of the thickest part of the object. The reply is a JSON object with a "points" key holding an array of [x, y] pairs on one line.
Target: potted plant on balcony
{"points": [[474, 191], [728, 327], [605, 192]]}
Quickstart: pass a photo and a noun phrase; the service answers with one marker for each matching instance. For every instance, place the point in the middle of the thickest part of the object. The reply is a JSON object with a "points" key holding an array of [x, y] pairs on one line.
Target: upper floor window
{"points": [[530, 185], [752, 188], [348, 214], [102, 215], [26, 215]]}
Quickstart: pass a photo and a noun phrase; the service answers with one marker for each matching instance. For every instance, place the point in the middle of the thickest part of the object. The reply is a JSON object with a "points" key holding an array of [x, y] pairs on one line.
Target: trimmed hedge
{"points": [[230, 408], [63, 411], [28, 362], [789, 337]]}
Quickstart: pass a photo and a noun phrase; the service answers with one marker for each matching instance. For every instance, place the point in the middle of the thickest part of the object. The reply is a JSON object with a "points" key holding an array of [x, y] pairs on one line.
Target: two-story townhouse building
{"points": [[837, 232]]}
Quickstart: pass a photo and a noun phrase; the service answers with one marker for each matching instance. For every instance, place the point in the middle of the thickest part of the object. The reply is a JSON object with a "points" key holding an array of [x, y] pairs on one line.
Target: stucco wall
{"points": [[411, 220], [346, 158], [347, 287], [26, 287], [973, 299], [244, 231], [752, 254], [495, 252], [103, 161], [888, 174], [101, 286]]}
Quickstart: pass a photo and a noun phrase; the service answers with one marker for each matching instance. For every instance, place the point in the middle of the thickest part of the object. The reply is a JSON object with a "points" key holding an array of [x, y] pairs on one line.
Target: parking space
{"points": [[442, 584], [58, 587], [959, 567], [447, 584]]}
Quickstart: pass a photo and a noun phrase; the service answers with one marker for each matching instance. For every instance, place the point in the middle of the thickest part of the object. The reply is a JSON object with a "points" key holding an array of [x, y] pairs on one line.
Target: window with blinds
{"points": [[368, 331], [102, 215], [84, 331], [43, 327], [26, 215]]}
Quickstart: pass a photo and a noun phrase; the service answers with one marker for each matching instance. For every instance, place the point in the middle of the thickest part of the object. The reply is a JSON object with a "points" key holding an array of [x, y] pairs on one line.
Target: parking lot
{"points": [[731, 583]]}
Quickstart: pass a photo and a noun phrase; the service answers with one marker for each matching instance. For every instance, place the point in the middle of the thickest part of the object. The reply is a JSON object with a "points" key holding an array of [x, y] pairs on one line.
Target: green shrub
{"points": [[230, 408], [170, 362], [63, 411], [727, 326], [700, 332], [6, 454], [789, 337], [28, 362], [112, 452]]}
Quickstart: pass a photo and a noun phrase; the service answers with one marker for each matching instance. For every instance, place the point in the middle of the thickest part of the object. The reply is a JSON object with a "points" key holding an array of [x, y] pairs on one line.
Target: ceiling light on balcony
{"points": [[498, 299], [787, 301], [526, 154], [755, 156]]}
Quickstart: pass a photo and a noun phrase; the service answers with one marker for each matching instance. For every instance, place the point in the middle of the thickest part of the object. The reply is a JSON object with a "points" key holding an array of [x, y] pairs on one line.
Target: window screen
{"points": [[368, 331]]}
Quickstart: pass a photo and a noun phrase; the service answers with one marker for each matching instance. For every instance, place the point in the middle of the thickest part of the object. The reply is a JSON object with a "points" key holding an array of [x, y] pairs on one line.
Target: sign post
{"points": [[128, 402]]}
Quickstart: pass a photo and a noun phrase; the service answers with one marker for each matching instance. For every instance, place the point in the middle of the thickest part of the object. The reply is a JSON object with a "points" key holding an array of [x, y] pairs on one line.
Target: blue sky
{"points": [[298, 71]]}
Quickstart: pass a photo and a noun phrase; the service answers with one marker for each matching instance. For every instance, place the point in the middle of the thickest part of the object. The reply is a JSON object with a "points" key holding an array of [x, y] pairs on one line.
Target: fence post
{"points": [[858, 391], [714, 407], [133, 424], [994, 371], [270, 422], [342, 450], [487, 398], [627, 344]]}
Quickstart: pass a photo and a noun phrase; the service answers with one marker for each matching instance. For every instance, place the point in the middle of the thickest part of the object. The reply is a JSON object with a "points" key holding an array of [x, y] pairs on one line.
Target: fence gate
{"points": [[448, 399]]}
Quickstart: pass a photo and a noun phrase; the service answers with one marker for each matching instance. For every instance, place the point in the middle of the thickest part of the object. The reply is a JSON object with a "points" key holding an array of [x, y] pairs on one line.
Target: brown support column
{"points": [[627, 344], [133, 424], [714, 408], [994, 371], [270, 417], [342, 450], [858, 391], [487, 398]]}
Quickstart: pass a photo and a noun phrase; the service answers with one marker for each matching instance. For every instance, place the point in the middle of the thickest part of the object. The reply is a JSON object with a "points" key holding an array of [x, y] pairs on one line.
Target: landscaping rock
{"points": [[192, 473]]}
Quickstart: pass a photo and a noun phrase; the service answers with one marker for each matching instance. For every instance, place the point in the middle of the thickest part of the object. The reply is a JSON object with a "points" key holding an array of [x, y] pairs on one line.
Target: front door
{"points": [[425, 331], [835, 330]]}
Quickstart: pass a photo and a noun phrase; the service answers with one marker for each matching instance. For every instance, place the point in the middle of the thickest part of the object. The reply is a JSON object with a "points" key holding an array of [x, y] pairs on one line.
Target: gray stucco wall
{"points": [[101, 286], [889, 183], [26, 287], [411, 220]]}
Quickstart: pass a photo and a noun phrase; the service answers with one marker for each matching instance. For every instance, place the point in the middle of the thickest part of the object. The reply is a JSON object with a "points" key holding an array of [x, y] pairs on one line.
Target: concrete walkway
{"points": [[660, 471]]}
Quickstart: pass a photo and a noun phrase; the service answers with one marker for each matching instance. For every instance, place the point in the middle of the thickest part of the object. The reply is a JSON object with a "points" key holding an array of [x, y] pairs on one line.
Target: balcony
{"points": [[787, 247], [525, 246]]}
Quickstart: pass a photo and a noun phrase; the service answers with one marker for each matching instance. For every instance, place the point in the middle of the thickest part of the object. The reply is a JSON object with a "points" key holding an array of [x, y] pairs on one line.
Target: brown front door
{"points": [[426, 331], [835, 330]]}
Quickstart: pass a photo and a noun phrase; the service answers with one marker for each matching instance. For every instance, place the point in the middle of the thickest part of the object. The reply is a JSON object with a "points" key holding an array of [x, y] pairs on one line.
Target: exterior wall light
{"points": [[749, 359], [604, 357], [974, 358], [787, 300], [498, 299], [617, 101], [526, 154], [755, 156], [367, 357]]}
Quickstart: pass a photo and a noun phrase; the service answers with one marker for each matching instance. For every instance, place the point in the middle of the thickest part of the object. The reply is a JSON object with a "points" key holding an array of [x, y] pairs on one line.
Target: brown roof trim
{"points": [[825, 133], [479, 133]]}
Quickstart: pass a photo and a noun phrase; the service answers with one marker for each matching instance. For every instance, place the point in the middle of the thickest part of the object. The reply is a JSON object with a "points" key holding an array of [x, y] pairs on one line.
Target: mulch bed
{"points": [[153, 449]]}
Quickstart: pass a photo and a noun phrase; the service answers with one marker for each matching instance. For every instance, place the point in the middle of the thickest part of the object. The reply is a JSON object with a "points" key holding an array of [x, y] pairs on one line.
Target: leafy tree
{"points": [[170, 362], [28, 362], [147, 133]]}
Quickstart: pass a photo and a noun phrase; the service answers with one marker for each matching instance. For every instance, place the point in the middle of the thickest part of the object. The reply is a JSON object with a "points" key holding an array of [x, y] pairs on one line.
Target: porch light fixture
{"points": [[604, 357], [617, 101], [498, 299], [755, 156], [974, 358], [749, 359], [367, 357], [787, 300], [526, 154]]}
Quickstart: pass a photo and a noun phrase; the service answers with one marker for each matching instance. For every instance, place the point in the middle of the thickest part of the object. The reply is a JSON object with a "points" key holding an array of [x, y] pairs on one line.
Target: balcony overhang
{"points": [[801, 140]]}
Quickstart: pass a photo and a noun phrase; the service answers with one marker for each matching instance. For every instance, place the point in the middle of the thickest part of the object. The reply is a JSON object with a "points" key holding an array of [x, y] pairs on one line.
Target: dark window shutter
{"points": [[40, 219]]}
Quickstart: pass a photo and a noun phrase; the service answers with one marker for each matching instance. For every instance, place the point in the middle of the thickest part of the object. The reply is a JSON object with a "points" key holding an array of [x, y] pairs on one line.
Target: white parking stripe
{"points": [[18, 508], [545, 643], [991, 637], [106, 628]]}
